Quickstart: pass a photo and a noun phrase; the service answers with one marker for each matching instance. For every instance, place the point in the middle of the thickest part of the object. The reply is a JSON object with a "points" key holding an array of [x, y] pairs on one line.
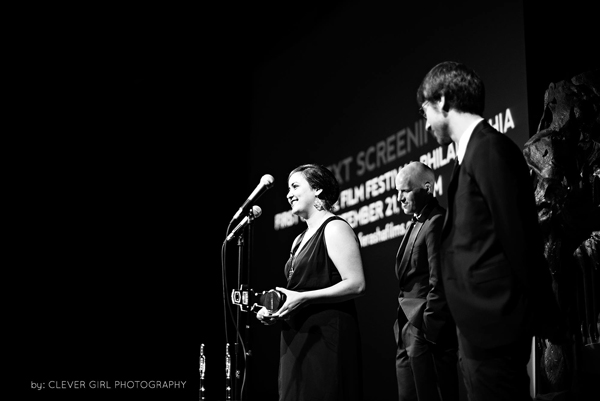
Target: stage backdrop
{"points": [[343, 95]]}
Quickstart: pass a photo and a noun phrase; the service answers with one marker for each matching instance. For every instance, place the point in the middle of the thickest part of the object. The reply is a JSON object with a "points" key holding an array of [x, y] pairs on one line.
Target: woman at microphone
{"points": [[320, 343]]}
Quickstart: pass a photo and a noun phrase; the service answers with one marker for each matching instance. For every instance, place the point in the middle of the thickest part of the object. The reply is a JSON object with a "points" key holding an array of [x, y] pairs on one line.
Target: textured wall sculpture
{"points": [[564, 160]]}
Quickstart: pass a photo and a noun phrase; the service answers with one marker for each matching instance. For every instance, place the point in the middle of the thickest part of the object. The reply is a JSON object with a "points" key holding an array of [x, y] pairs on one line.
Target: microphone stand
{"points": [[244, 326]]}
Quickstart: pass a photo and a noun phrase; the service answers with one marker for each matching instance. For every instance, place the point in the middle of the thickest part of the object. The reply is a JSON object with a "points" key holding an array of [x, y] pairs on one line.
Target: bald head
{"points": [[415, 183], [418, 174]]}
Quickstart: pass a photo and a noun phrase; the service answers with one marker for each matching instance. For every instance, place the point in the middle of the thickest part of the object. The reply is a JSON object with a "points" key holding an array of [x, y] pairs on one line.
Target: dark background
{"points": [[132, 153]]}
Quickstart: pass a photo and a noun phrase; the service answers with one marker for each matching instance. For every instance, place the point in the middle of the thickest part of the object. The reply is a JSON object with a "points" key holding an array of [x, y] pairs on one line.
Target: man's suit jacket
{"points": [[418, 269], [492, 246]]}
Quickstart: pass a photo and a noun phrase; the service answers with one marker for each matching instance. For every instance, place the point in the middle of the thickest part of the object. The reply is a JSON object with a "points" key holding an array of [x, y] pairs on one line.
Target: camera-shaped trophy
{"points": [[250, 300]]}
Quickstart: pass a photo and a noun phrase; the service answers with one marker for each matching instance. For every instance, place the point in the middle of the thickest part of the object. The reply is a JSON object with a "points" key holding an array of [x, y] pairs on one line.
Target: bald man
{"points": [[427, 352]]}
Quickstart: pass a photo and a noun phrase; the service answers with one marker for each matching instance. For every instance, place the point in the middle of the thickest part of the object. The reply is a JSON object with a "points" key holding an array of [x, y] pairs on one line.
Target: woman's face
{"points": [[301, 196]]}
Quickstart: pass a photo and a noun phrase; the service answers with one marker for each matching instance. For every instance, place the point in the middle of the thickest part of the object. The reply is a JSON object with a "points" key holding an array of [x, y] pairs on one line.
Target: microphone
{"points": [[266, 182], [256, 212]]}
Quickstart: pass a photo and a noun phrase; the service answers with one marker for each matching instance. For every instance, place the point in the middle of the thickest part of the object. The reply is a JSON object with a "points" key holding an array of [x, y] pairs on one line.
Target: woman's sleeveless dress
{"points": [[320, 355]]}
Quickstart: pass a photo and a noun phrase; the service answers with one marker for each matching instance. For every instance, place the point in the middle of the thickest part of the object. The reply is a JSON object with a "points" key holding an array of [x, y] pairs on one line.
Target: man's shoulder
{"points": [[435, 210], [485, 132], [486, 139]]}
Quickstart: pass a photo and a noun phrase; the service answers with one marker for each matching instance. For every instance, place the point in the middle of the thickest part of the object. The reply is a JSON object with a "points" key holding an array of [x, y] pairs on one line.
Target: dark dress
{"points": [[320, 356]]}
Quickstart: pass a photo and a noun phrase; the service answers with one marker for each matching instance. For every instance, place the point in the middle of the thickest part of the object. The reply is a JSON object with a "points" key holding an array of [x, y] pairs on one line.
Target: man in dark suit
{"points": [[425, 333], [494, 272]]}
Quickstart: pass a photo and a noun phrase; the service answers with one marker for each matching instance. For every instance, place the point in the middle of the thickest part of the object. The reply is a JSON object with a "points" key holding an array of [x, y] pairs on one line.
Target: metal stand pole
{"points": [[242, 321]]}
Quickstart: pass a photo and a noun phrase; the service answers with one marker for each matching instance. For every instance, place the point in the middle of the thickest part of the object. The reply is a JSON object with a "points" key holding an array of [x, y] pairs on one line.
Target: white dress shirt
{"points": [[464, 141]]}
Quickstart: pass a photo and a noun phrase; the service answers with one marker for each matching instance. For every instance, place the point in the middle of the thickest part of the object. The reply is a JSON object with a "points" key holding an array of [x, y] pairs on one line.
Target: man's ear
{"points": [[443, 105], [428, 187]]}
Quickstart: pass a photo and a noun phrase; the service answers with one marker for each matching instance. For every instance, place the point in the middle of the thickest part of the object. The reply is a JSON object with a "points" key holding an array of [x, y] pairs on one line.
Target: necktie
{"points": [[455, 169], [451, 191]]}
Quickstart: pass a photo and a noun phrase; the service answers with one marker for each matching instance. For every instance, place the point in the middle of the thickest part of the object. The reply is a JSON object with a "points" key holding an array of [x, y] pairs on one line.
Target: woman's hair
{"points": [[461, 87], [319, 177]]}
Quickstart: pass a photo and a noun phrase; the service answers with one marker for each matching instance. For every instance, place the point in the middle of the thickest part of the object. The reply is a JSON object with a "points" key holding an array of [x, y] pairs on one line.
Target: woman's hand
{"points": [[266, 317], [293, 302]]}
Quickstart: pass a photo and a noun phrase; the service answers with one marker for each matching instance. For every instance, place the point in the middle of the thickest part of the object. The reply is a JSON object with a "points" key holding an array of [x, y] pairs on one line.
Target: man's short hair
{"points": [[462, 88]]}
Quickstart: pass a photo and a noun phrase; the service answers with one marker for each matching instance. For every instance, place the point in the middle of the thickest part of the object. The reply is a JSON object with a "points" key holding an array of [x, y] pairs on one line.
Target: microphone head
{"points": [[256, 211], [267, 180]]}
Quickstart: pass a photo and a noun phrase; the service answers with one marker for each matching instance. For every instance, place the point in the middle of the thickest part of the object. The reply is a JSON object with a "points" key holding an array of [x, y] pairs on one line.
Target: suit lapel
{"points": [[453, 185], [407, 245], [402, 247], [409, 249]]}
